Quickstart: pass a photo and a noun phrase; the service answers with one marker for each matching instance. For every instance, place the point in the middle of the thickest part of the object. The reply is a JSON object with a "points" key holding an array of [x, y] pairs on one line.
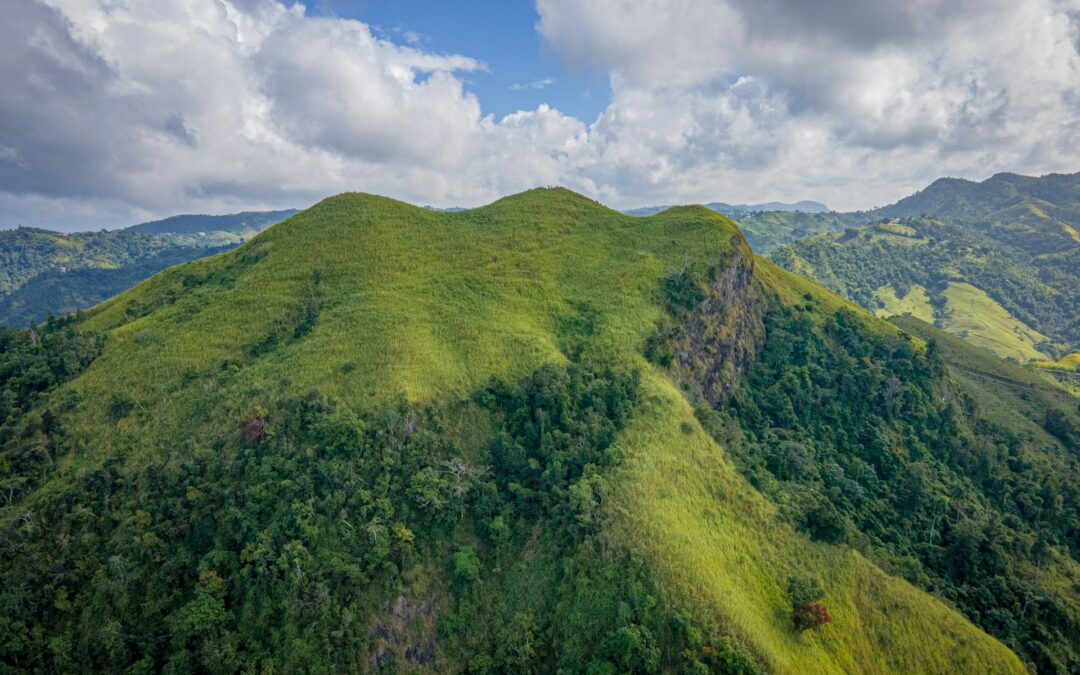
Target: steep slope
{"points": [[382, 436]]}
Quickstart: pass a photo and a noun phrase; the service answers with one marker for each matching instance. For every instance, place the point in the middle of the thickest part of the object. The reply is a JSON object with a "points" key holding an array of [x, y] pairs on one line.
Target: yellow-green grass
{"points": [[915, 303], [900, 229], [715, 544], [977, 317], [431, 305], [1070, 362], [970, 313], [418, 302], [1065, 372]]}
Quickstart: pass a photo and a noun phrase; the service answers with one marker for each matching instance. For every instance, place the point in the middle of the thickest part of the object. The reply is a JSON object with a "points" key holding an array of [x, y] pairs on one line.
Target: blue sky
{"points": [[522, 72]]}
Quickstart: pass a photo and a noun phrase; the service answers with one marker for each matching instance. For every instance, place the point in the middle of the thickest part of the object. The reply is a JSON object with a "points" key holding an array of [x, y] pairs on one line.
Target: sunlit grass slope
{"points": [[366, 299], [402, 300], [976, 316], [916, 303], [715, 545], [969, 313]]}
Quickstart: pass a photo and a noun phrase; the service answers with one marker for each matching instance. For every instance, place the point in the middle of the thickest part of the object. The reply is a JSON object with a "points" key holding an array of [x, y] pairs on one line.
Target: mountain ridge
{"points": [[366, 332]]}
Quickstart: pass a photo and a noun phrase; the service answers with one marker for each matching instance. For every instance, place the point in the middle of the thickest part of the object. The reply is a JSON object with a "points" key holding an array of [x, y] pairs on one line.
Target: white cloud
{"points": [[852, 102], [131, 108], [186, 105]]}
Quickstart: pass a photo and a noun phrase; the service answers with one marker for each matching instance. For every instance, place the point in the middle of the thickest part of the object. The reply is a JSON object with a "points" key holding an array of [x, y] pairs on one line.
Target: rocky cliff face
{"points": [[721, 337]]}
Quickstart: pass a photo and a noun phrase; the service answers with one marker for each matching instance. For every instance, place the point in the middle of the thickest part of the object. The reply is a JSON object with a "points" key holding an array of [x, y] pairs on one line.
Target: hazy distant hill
{"points": [[772, 224], [536, 436], [732, 209], [994, 198], [248, 221], [42, 271]]}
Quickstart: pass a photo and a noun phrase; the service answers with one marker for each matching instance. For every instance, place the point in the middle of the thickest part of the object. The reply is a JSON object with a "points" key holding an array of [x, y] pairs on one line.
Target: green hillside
{"points": [[532, 436], [969, 278], [769, 226], [246, 223], [26, 252], [44, 272]]}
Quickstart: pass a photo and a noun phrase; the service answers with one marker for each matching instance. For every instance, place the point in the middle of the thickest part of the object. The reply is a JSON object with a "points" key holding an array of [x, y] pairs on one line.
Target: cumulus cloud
{"points": [[122, 109], [850, 101], [209, 105]]}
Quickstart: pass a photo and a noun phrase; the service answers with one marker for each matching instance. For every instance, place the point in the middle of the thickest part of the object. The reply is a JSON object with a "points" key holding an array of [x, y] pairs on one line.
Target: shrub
{"points": [[254, 425], [810, 616]]}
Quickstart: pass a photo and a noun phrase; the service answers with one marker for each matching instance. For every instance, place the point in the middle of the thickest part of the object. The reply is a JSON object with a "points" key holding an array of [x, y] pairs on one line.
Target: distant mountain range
{"points": [[738, 209], [44, 272], [247, 221]]}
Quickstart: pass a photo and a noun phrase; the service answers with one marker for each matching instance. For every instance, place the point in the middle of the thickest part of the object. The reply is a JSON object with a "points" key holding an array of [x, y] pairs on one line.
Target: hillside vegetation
{"points": [[769, 226], [534, 436], [44, 272], [997, 261], [964, 279]]}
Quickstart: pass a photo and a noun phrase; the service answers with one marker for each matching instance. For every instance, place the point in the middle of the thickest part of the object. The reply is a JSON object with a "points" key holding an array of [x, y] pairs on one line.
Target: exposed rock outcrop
{"points": [[721, 337]]}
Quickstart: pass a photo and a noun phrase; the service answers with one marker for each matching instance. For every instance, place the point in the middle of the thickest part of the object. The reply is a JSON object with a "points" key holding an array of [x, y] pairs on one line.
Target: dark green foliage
{"points": [[35, 360], [276, 547], [1057, 424], [803, 589], [807, 612], [859, 438]]}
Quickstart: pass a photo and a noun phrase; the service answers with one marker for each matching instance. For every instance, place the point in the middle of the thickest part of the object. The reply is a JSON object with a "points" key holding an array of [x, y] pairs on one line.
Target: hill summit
{"points": [[536, 435]]}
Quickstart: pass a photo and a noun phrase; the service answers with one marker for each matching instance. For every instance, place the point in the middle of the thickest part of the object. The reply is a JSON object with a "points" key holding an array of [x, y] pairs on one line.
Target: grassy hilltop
{"points": [[532, 435]]}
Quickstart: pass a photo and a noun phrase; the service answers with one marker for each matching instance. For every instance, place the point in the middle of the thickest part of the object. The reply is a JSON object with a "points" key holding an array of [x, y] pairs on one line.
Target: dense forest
{"points": [[270, 548]]}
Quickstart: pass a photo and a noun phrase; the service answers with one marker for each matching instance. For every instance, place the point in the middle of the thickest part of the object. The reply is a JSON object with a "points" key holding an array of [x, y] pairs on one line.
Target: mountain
{"points": [[767, 231], [43, 272], [63, 290], [997, 262], [26, 252], [729, 210], [532, 436], [1002, 196], [246, 222]]}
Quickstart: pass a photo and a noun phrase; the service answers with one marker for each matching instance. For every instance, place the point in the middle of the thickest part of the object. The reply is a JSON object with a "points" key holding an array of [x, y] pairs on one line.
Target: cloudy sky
{"points": [[117, 111]]}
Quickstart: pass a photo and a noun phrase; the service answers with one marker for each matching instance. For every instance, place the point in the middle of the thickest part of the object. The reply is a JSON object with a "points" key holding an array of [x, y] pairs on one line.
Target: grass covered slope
{"points": [[194, 505], [716, 545], [369, 298]]}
